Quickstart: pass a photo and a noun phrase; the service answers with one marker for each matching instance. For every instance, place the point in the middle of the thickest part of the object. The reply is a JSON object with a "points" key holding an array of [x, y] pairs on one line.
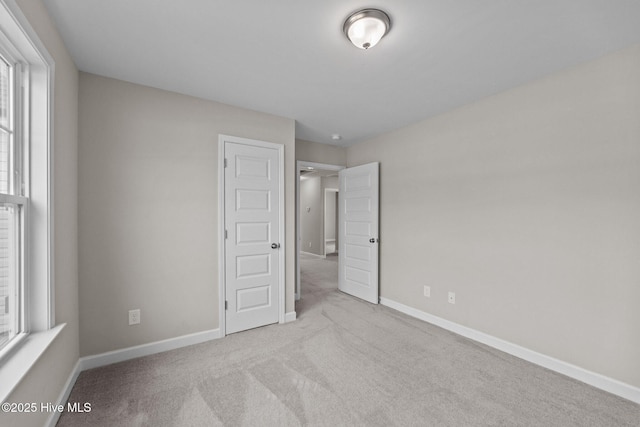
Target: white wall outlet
{"points": [[427, 291], [452, 298], [134, 316], [309, 244]]}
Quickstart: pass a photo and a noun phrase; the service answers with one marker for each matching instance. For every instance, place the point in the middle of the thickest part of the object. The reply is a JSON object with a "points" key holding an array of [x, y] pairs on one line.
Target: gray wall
{"points": [[330, 215], [47, 377], [526, 205], [320, 153], [311, 211], [148, 209], [333, 183]]}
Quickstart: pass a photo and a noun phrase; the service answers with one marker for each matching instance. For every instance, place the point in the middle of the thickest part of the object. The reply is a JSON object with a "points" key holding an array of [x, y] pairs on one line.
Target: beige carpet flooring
{"points": [[343, 362]]}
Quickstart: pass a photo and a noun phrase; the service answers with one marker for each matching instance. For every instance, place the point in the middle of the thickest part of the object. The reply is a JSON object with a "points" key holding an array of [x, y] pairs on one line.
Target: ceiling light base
{"points": [[366, 27]]}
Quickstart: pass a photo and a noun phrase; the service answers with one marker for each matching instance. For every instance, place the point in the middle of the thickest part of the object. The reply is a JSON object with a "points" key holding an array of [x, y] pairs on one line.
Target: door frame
{"points": [[222, 284], [303, 164]]}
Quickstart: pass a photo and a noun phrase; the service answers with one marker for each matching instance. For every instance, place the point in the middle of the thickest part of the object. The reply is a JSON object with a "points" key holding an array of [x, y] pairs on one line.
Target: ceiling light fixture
{"points": [[366, 27]]}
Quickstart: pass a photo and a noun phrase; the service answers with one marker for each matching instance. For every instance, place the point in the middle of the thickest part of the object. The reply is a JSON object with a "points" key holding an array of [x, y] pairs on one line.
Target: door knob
{"points": [[275, 245], [372, 240]]}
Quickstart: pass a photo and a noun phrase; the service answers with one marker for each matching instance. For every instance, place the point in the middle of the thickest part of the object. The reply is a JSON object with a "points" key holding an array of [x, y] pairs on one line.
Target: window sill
{"points": [[16, 365]]}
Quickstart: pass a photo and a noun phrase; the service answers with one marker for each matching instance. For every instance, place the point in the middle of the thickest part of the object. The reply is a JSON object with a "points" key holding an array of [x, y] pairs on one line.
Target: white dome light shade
{"points": [[366, 32], [366, 27]]}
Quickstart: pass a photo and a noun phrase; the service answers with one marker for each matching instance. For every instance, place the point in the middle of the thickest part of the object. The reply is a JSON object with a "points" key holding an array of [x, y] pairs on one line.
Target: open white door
{"points": [[358, 232], [252, 217]]}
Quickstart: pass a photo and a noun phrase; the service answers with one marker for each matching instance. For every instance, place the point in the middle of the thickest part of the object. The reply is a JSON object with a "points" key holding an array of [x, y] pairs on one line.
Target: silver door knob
{"points": [[275, 245]]}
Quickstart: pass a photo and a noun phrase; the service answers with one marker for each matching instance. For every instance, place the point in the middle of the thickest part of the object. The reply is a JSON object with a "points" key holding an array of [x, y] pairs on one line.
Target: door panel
{"points": [[252, 203], [253, 298], [252, 233], [358, 232]]}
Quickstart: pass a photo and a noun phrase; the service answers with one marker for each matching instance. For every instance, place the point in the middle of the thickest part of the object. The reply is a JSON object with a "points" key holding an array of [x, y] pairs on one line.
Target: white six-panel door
{"points": [[252, 247], [358, 232]]}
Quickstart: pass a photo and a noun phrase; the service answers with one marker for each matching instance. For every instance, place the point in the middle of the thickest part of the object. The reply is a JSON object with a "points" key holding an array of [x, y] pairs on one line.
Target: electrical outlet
{"points": [[309, 244], [452, 298], [134, 316], [427, 291]]}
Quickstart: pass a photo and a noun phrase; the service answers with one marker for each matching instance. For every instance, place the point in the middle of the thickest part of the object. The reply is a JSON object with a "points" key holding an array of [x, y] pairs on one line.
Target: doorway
{"points": [[316, 219], [356, 235]]}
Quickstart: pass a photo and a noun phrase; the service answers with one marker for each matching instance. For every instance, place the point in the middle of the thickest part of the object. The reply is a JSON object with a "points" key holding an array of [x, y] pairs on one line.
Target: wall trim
{"points": [[115, 356], [64, 394], [602, 382], [290, 317], [313, 255]]}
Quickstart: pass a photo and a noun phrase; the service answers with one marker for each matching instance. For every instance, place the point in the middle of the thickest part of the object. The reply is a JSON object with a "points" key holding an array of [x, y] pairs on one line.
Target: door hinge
{"points": [[226, 305], [225, 162], [226, 235]]}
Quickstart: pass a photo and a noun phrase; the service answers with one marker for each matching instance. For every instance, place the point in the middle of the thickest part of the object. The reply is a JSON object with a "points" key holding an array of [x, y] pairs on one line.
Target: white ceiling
{"points": [[290, 57]]}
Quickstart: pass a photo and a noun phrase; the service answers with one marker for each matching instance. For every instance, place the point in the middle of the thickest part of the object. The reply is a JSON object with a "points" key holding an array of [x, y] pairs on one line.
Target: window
{"points": [[13, 202], [26, 258]]}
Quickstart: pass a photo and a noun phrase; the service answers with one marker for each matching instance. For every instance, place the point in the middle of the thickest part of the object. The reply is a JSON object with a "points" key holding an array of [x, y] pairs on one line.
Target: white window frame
{"points": [[39, 317], [18, 192]]}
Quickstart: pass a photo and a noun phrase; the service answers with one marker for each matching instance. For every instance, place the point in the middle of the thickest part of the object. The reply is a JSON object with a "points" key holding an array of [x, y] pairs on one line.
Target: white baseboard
{"points": [[313, 255], [64, 394], [103, 359], [290, 317], [594, 379], [90, 362]]}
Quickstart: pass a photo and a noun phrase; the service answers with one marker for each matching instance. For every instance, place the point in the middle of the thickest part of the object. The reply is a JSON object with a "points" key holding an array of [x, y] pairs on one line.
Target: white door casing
{"points": [[253, 251], [358, 231]]}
